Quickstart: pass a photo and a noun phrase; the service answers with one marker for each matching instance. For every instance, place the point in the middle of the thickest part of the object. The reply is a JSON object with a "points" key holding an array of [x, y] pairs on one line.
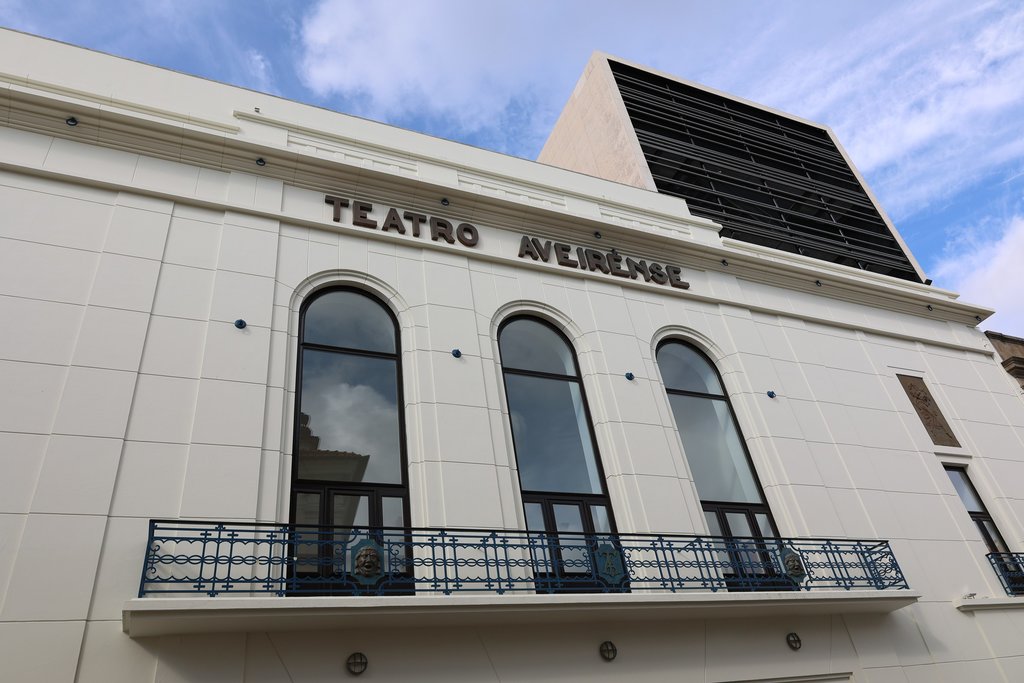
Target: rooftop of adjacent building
{"points": [[1011, 350]]}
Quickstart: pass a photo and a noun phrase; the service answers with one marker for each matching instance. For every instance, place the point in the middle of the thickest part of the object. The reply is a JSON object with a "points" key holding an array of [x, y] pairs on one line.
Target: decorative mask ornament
{"points": [[367, 564], [794, 565]]}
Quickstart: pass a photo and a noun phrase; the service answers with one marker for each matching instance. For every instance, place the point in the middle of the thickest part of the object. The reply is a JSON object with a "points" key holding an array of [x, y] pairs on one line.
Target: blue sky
{"points": [[927, 97]]}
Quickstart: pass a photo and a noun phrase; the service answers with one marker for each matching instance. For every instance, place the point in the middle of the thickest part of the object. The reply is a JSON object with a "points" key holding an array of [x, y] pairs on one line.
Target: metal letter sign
{"points": [[609, 263]]}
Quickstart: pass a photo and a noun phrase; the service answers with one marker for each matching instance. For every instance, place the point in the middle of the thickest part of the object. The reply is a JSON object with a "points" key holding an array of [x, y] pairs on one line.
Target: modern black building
{"points": [[768, 178]]}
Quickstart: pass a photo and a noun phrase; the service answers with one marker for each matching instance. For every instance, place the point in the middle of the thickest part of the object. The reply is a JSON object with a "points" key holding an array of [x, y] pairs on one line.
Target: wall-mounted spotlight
{"points": [[608, 651], [817, 283], [978, 318], [725, 263], [771, 394], [930, 307], [240, 324], [597, 235], [630, 376], [457, 353], [794, 642], [71, 121], [261, 161], [356, 663], [444, 201]]}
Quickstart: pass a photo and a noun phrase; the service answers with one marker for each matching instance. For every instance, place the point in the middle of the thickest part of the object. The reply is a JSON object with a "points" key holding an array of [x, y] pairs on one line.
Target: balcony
{"points": [[224, 576], [1009, 568]]}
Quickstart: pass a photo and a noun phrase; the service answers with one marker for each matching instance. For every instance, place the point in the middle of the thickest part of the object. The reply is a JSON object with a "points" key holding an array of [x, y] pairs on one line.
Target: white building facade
{"points": [[277, 330]]}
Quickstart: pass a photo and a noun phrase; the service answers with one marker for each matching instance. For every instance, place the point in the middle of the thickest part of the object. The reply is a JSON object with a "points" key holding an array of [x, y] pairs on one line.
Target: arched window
{"points": [[729, 490], [560, 473], [349, 462]]}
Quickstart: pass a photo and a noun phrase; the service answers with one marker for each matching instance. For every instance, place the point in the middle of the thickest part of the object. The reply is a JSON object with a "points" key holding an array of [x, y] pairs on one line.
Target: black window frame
{"points": [[1005, 562], [979, 518], [326, 489], [717, 507], [550, 582], [753, 565]]}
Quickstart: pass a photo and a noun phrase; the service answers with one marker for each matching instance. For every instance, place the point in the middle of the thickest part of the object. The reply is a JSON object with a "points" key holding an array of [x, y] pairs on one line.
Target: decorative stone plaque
{"points": [[936, 425], [609, 564]]}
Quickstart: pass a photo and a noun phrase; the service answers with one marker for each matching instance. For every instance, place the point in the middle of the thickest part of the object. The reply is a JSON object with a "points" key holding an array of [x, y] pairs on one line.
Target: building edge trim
{"points": [[490, 258], [754, 260], [969, 605], [145, 617]]}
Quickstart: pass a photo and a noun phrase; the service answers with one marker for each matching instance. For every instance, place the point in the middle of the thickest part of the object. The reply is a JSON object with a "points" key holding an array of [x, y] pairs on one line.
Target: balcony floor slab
{"points": [[144, 617], [985, 604]]}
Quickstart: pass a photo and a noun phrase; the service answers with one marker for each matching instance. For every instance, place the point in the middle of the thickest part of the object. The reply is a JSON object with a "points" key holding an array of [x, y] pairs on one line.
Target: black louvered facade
{"points": [[767, 179]]}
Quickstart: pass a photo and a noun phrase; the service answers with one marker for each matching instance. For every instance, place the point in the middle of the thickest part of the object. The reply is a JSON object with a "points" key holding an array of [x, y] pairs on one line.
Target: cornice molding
{"points": [[497, 199], [71, 95], [1014, 365]]}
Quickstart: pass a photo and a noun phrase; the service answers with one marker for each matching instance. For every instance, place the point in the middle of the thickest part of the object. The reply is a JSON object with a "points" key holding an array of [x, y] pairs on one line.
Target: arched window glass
{"points": [[554, 447], [560, 475], [349, 451], [730, 493], [346, 319], [529, 345], [684, 369], [349, 392]]}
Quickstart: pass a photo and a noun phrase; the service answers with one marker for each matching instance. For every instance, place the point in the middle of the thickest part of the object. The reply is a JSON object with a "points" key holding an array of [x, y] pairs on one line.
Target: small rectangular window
{"points": [[976, 509]]}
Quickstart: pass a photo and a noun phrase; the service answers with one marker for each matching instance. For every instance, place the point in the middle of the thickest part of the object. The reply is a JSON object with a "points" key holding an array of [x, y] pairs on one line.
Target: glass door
{"points": [[575, 544], [749, 551], [364, 540]]}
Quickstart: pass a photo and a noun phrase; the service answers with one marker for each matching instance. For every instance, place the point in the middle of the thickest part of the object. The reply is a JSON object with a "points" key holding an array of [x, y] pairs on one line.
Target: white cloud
{"points": [[927, 98], [354, 418], [206, 38], [984, 265], [259, 71], [926, 95], [499, 71], [465, 62]]}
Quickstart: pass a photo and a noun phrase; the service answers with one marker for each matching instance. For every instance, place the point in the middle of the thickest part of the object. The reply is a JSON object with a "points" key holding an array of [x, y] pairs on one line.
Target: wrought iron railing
{"points": [[212, 558], [1010, 570]]}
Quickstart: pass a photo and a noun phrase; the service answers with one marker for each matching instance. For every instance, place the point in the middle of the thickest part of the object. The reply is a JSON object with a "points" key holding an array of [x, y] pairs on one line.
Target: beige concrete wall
{"points": [[593, 134], [128, 394]]}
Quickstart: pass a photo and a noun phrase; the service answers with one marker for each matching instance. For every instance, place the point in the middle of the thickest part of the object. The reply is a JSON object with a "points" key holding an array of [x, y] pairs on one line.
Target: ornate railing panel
{"points": [[1010, 570], [211, 558]]}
